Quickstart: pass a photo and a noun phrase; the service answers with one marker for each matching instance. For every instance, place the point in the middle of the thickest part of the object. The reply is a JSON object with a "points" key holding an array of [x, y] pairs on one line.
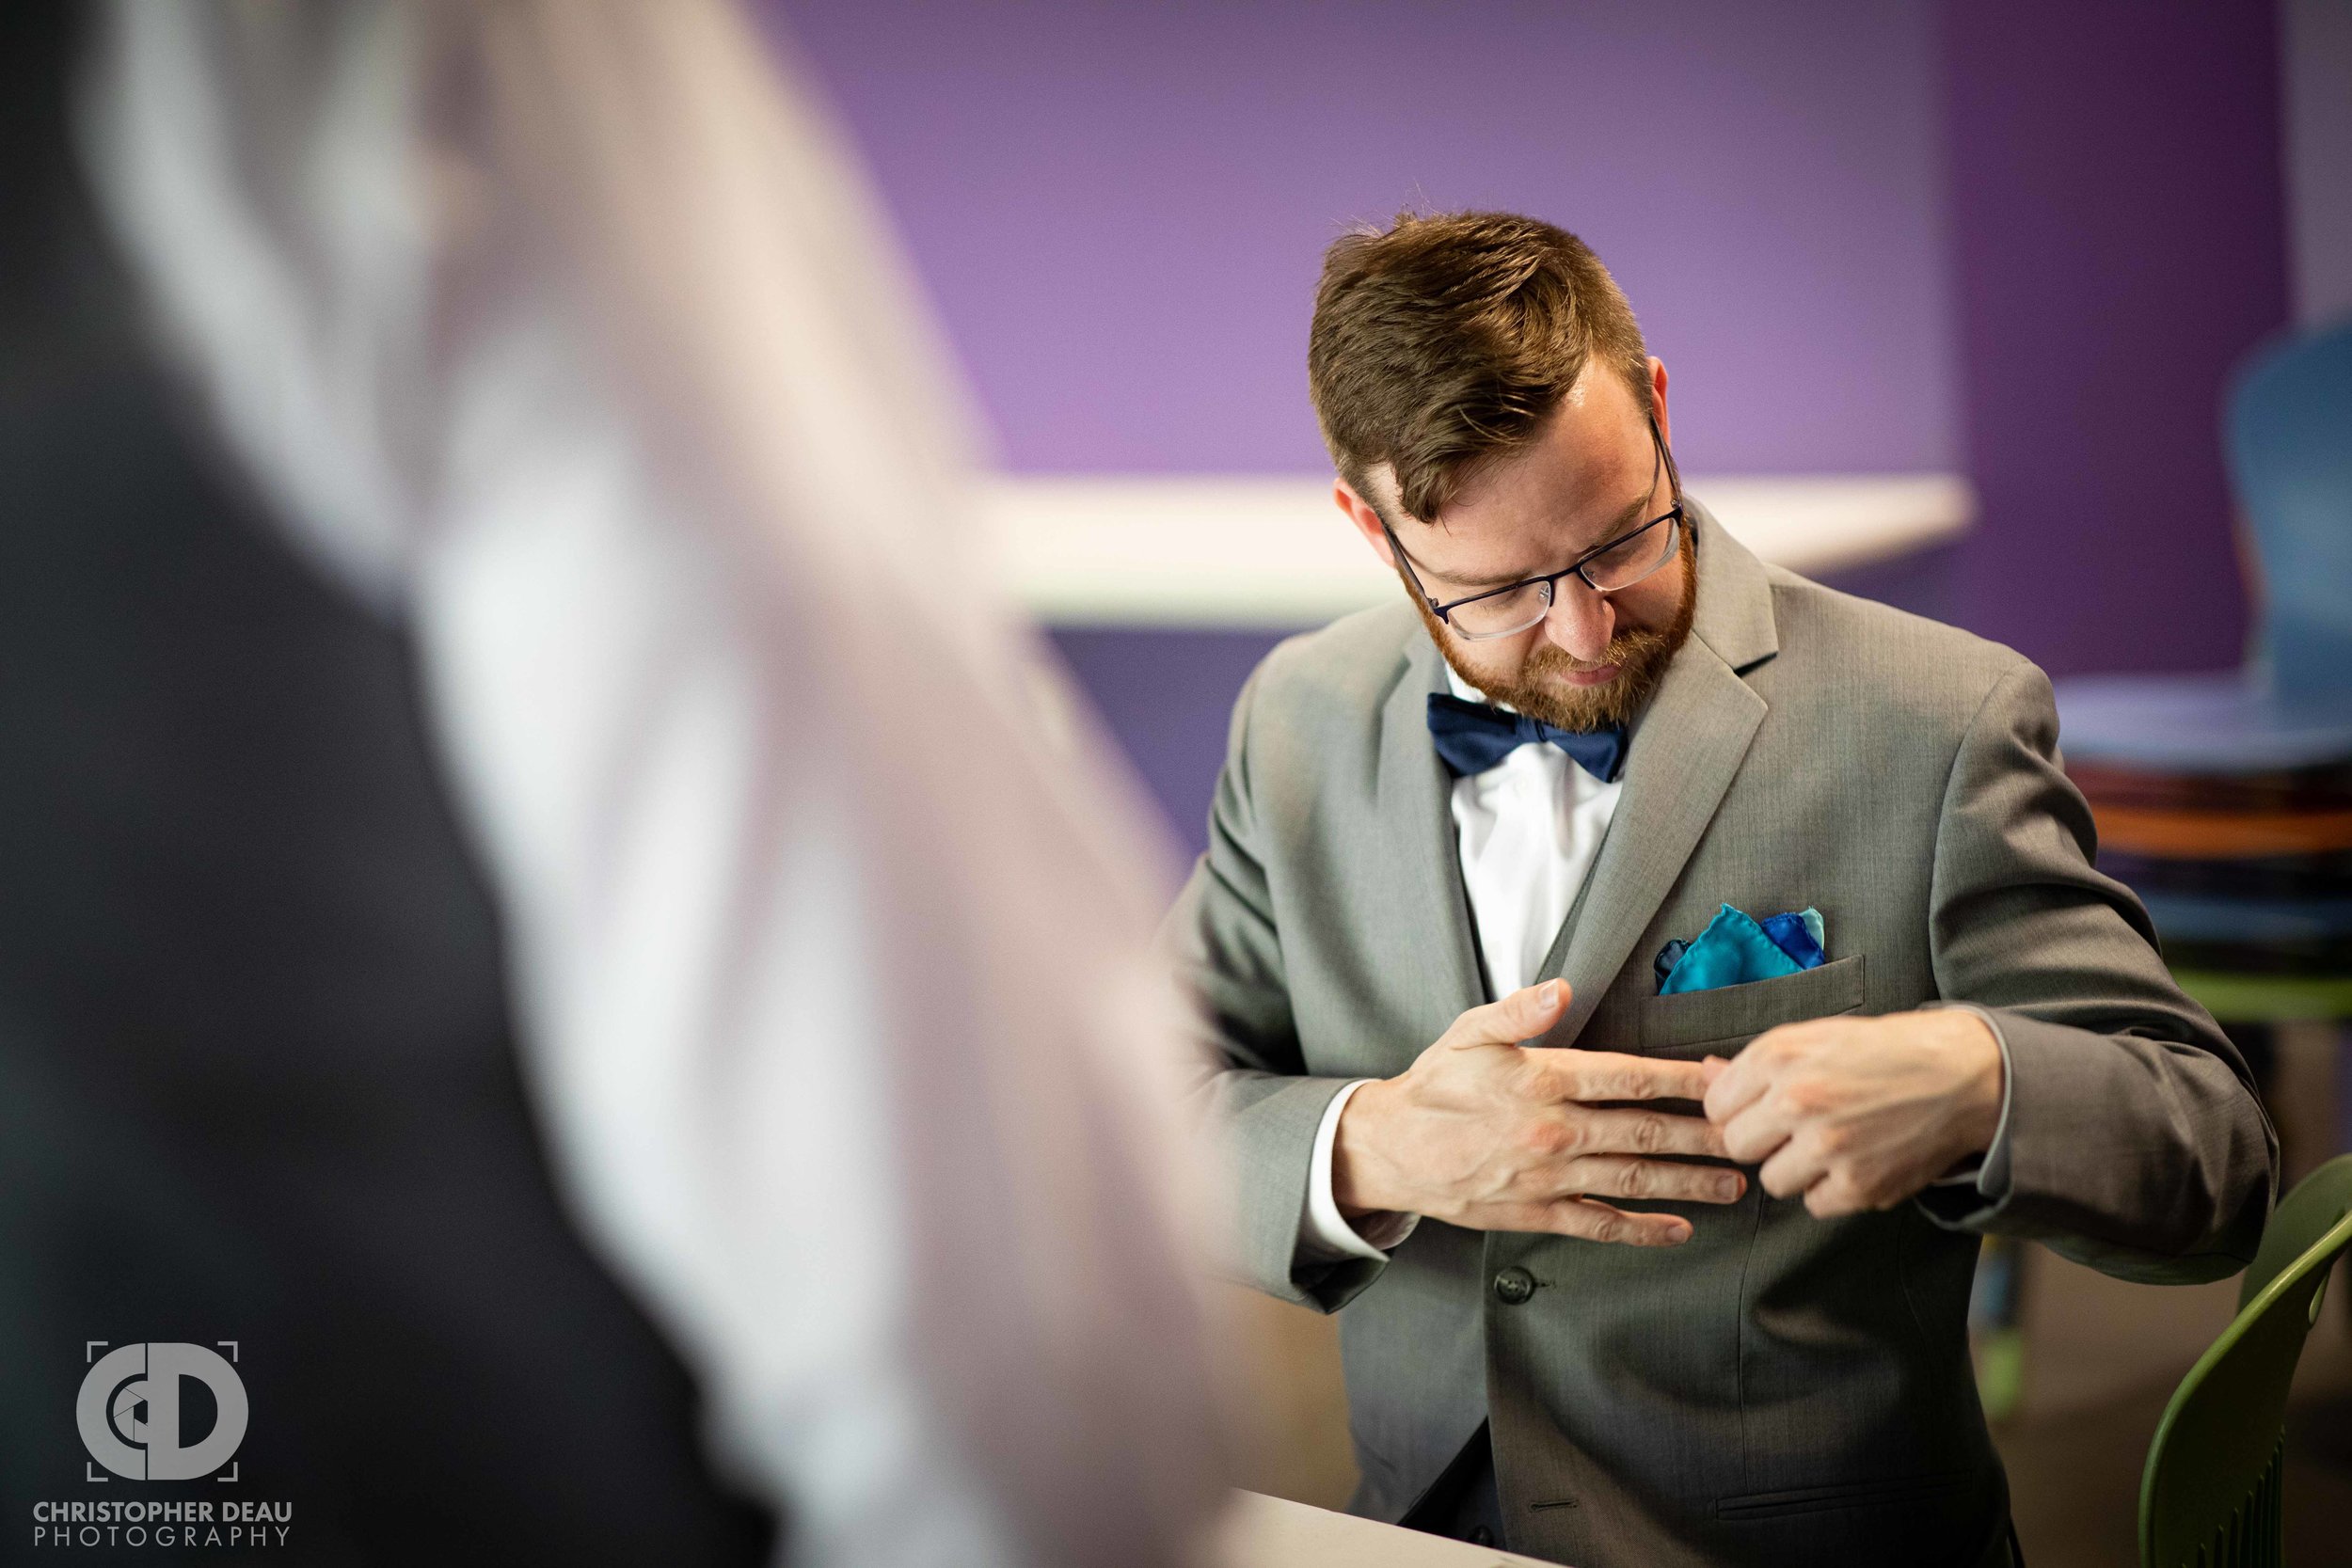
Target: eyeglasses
{"points": [[1608, 569]]}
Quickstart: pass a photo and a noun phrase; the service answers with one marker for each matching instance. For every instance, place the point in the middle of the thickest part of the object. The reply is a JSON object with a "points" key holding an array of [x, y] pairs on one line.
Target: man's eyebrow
{"points": [[1624, 519]]}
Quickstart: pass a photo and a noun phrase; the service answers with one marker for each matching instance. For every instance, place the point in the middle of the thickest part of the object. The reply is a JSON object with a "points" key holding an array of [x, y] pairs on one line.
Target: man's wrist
{"points": [[1325, 1234], [1987, 1078], [1354, 1164]]}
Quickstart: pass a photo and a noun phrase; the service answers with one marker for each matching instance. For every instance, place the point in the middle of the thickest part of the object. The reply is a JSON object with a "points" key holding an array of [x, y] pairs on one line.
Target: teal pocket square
{"points": [[1736, 948]]}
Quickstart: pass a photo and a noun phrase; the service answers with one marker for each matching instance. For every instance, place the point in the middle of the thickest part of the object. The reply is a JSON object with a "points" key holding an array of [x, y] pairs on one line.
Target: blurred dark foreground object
{"points": [[257, 1080]]}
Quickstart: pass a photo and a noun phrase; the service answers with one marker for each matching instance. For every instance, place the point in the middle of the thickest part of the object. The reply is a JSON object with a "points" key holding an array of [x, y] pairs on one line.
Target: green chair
{"points": [[2209, 1496]]}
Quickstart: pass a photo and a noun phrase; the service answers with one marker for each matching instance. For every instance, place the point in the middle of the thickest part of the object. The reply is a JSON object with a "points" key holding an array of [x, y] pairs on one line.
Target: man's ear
{"points": [[1658, 400], [1367, 521]]}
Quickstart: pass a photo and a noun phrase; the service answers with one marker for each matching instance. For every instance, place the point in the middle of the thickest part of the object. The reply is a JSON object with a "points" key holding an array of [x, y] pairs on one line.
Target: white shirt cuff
{"points": [[1325, 1234]]}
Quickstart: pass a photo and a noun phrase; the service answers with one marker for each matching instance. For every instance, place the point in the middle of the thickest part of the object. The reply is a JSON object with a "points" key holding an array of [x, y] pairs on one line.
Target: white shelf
{"points": [[1164, 550]]}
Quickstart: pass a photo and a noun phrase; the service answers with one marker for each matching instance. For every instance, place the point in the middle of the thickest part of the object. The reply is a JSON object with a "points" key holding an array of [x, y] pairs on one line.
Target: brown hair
{"points": [[1446, 341]]}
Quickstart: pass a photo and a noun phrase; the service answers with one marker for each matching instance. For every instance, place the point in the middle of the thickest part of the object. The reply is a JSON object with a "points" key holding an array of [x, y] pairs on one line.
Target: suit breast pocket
{"points": [[1718, 1021]]}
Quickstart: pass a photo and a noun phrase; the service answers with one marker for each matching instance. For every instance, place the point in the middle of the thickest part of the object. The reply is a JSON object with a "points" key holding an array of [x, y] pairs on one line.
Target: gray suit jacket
{"points": [[1780, 1388]]}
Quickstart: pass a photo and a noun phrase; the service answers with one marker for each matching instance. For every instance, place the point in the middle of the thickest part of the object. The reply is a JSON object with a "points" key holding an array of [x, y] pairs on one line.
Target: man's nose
{"points": [[1580, 620]]}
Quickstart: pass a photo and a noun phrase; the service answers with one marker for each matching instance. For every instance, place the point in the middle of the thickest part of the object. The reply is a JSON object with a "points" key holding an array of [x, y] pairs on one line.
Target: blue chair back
{"points": [[2288, 433]]}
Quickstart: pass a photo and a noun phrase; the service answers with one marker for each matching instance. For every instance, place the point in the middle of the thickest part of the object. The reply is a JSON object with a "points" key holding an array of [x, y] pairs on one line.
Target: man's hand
{"points": [[1482, 1132], [1859, 1113]]}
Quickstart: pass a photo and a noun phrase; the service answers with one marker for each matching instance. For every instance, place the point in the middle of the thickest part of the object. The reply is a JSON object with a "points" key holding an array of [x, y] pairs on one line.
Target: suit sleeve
{"points": [[2134, 1142], [1257, 1093]]}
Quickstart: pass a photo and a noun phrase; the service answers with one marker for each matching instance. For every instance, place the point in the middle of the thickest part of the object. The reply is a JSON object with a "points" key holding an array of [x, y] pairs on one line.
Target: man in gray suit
{"points": [[1488, 817]]}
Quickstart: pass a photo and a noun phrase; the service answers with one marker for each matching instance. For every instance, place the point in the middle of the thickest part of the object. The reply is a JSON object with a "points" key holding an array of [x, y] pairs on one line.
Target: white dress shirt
{"points": [[567, 339], [1526, 831]]}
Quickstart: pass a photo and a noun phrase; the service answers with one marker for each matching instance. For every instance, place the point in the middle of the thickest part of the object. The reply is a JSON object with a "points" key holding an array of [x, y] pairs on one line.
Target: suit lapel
{"points": [[1685, 752], [1417, 847], [1682, 760]]}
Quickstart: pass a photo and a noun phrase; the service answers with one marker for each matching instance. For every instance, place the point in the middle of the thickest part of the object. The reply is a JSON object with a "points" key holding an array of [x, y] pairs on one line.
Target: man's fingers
{"points": [[1600, 1075], [1832, 1198], [1521, 1016], [1768, 1060], [1659, 1181], [1628, 1132], [1754, 1133], [1800, 1164], [1733, 1085], [1597, 1221]]}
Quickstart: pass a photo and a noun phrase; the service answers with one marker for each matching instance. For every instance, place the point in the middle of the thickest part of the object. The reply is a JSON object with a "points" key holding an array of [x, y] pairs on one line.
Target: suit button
{"points": [[1514, 1286]]}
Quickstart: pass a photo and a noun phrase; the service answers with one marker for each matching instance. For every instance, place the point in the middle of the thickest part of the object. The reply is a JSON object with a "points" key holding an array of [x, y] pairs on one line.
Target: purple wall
{"points": [[2020, 240], [1122, 208], [1167, 694], [2119, 232]]}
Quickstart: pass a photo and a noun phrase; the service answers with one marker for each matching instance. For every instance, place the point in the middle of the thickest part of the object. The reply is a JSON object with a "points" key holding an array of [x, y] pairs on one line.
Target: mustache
{"points": [[1627, 647]]}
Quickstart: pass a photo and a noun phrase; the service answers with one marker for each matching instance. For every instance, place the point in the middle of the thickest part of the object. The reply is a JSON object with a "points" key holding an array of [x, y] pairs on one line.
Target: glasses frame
{"points": [[1546, 584]]}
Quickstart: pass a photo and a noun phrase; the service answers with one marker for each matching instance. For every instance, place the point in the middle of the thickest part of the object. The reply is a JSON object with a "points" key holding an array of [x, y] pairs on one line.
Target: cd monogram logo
{"points": [[129, 1411]]}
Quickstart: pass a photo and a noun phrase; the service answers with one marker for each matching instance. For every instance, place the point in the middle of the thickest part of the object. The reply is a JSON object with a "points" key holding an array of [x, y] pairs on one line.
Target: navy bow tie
{"points": [[1473, 738]]}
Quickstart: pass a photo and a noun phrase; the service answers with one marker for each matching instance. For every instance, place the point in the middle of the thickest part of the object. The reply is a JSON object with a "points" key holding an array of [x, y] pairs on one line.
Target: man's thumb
{"points": [[1536, 1008]]}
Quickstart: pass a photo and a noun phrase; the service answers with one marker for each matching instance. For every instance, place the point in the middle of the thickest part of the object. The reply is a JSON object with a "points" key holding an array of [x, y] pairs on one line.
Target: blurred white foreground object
{"points": [[560, 330]]}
